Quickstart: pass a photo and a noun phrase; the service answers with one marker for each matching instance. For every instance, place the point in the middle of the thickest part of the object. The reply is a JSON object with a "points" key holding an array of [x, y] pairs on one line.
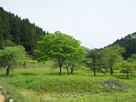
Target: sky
{"points": [[96, 23]]}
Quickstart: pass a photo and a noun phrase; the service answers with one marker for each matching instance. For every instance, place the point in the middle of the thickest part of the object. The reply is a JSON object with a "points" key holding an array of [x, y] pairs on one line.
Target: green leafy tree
{"points": [[70, 65], [126, 67], [132, 59], [74, 62], [10, 57], [113, 55], [60, 47], [94, 60]]}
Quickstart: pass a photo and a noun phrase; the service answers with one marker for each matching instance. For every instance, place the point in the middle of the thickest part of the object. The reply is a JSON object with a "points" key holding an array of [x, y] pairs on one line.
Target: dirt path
{"points": [[2, 98]]}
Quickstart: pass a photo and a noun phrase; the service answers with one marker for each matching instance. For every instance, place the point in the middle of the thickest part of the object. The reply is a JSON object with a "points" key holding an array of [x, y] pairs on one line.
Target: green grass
{"points": [[45, 85], [11, 92]]}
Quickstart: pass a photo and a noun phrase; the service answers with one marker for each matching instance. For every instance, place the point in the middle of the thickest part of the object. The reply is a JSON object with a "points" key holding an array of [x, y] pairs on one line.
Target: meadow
{"points": [[46, 85]]}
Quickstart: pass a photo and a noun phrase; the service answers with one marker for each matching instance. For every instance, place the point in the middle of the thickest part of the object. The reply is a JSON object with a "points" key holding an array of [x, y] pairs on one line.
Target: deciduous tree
{"points": [[126, 67], [113, 55], [60, 47], [10, 57]]}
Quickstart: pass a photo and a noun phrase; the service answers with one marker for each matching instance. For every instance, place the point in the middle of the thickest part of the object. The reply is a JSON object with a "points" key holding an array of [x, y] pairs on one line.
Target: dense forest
{"points": [[129, 43], [17, 31]]}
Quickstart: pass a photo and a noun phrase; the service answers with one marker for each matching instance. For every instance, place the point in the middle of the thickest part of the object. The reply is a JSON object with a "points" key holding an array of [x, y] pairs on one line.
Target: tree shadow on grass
{"points": [[55, 73], [10, 75], [28, 74], [105, 75], [123, 77]]}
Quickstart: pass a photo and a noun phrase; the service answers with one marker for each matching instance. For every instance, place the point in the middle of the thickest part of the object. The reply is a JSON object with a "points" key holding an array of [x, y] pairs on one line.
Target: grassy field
{"points": [[45, 85]]}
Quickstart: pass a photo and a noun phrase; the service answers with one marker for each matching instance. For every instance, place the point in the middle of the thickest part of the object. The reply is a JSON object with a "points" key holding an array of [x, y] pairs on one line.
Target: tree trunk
{"points": [[111, 70], [131, 74], [94, 65], [72, 70], [7, 70], [68, 71], [60, 63], [60, 69], [127, 75], [94, 70]]}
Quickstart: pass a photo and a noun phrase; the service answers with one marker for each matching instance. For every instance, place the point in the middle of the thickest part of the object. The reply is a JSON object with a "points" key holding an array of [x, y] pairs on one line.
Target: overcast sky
{"points": [[96, 23]]}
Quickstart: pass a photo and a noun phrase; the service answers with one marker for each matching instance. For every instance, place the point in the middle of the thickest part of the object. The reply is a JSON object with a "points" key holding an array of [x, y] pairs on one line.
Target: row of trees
{"points": [[66, 50], [110, 59], [103, 60], [68, 53]]}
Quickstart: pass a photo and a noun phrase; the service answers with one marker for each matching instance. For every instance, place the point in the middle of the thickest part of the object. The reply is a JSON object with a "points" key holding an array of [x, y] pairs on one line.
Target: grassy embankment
{"points": [[45, 85]]}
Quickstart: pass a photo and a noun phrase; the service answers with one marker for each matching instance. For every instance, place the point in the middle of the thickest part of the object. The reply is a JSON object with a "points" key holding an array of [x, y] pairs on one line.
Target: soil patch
{"points": [[112, 84], [2, 98]]}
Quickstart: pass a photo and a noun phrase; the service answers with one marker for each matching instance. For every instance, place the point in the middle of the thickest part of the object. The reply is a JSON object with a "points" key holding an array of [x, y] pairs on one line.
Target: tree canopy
{"points": [[94, 60], [60, 47], [113, 55], [126, 67], [10, 57]]}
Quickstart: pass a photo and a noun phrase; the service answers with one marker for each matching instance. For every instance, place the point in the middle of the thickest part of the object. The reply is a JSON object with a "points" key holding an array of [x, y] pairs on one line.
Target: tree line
{"points": [[68, 53], [19, 35]]}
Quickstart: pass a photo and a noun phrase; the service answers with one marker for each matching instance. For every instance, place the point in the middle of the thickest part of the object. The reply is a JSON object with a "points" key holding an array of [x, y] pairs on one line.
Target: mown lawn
{"points": [[45, 85]]}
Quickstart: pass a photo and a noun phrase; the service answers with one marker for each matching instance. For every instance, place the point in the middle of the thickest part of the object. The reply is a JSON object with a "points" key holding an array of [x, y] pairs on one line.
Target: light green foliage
{"points": [[60, 47], [75, 61], [126, 67], [72, 64], [112, 55], [12, 56]]}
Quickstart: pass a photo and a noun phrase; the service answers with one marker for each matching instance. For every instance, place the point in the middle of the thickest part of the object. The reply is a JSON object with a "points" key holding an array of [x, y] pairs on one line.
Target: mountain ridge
{"points": [[129, 43]]}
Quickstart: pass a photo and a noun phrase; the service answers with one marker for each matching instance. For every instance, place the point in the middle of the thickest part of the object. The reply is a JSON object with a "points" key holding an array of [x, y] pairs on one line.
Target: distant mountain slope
{"points": [[128, 42], [19, 31]]}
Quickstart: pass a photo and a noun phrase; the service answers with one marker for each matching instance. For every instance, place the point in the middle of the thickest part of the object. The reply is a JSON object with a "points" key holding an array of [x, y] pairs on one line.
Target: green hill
{"points": [[129, 43], [19, 31]]}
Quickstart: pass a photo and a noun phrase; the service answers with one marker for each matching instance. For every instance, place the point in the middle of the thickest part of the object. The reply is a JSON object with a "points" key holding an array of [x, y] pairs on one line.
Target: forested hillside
{"points": [[129, 43], [17, 31]]}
